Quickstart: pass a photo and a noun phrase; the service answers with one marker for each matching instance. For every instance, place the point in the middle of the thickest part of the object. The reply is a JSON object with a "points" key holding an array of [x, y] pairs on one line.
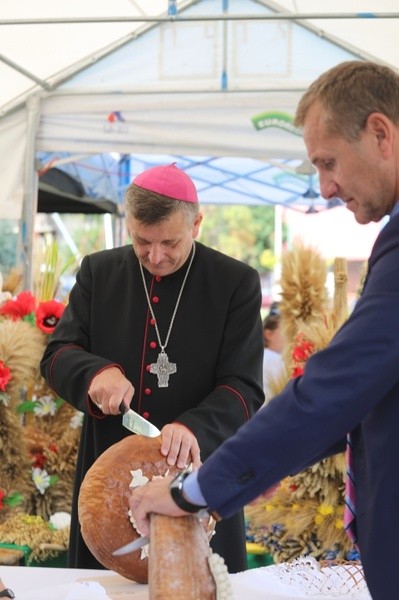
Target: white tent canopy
{"points": [[44, 43], [212, 78]]}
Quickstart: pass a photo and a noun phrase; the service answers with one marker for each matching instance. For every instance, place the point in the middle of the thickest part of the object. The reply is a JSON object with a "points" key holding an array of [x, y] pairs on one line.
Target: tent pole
{"points": [[278, 246], [281, 16], [31, 182]]}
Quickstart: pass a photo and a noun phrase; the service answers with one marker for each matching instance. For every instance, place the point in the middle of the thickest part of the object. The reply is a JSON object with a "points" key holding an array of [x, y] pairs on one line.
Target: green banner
{"points": [[278, 119]]}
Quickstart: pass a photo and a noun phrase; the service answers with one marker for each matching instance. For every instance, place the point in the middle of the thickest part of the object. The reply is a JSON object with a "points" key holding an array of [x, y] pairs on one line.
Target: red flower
{"points": [[300, 354], [53, 447], [302, 351], [19, 307], [5, 376], [2, 496], [297, 372], [39, 460], [48, 314]]}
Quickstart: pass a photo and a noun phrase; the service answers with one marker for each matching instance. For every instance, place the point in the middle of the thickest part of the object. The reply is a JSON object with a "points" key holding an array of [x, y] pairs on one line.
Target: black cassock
{"points": [[216, 343]]}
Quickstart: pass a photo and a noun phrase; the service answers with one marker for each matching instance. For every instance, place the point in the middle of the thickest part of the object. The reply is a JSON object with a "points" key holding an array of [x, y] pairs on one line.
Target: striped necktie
{"points": [[350, 506]]}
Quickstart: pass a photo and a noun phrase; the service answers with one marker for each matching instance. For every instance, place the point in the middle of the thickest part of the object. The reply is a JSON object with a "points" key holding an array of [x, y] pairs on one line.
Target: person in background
{"points": [[169, 327], [348, 396], [273, 339]]}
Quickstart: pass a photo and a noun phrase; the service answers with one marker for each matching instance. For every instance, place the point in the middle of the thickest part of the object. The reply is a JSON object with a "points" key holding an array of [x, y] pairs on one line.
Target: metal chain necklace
{"points": [[163, 368]]}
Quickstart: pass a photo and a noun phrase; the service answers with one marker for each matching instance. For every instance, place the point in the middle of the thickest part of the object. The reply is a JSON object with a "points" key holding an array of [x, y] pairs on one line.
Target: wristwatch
{"points": [[176, 491], [7, 593]]}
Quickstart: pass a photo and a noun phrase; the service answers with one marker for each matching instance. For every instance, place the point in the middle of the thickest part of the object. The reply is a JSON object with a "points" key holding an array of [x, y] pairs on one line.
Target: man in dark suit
{"points": [[166, 300], [350, 120]]}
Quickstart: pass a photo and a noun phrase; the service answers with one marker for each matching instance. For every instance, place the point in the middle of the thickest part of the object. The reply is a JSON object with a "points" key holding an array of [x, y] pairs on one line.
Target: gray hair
{"points": [[349, 93], [149, 207]]}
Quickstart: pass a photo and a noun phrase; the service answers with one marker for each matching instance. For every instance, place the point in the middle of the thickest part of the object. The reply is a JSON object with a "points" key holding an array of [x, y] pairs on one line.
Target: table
{"points": [[46, 583]]}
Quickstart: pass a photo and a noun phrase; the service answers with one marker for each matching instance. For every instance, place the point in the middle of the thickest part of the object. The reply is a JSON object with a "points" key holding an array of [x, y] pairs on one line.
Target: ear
{"points": [[196, 225], [268, 334], [382, 128]]}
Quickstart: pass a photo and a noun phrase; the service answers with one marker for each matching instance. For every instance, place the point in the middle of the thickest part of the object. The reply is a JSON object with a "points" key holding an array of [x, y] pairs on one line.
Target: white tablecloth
{"points": [[44, 583]]}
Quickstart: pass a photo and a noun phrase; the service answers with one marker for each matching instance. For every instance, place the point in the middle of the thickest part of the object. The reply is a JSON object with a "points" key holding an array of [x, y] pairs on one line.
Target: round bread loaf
{"points": [[103, 502]]}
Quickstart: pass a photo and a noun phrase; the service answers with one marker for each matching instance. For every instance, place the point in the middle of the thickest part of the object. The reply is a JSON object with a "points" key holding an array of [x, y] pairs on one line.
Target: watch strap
{"points": [[176, 491]]}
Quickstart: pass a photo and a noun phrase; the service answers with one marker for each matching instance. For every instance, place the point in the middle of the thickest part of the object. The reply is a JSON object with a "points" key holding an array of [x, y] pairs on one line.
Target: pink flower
{"points": [[48, 314], [5, 376]]}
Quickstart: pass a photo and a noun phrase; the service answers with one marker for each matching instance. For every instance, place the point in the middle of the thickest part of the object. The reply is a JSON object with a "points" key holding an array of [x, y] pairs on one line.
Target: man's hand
{"points": [[153, 497], [180, 446], [109, 388]]}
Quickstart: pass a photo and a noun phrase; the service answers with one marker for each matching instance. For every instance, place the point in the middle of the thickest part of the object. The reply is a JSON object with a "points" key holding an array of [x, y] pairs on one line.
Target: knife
{"points": [[131, 546], [136, 423]]}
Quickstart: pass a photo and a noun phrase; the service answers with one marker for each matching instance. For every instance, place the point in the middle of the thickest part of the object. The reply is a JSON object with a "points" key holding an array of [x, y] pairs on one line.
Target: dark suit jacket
{"points": [[216, 342], [352, 385]]}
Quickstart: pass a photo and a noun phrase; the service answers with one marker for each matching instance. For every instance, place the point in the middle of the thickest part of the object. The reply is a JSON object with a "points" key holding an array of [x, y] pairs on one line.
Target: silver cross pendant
{"points": [[163, 368]]}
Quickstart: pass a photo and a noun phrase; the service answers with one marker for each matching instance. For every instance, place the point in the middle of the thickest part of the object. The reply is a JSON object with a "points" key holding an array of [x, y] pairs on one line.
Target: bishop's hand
{"points": [[109, 388], [179, 446]]}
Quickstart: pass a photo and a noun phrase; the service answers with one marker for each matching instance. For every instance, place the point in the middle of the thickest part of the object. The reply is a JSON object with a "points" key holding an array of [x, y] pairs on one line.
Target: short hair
{"points": [[348, 93], [149, 207], [271, 321]]}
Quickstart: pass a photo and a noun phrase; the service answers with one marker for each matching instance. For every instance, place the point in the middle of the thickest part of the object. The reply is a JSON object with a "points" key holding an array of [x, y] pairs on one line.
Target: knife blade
{"points": [[131, 546], [136, 423]]}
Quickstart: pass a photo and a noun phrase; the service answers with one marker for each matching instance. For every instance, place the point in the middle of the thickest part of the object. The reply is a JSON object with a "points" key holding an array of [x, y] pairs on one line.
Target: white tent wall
{"points": [[208, 124], [185, 58], [13, 139], [190, 87]]}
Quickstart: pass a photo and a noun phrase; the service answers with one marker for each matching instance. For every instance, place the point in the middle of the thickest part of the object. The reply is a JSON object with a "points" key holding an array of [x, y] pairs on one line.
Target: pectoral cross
{"points": [[163, 368]]}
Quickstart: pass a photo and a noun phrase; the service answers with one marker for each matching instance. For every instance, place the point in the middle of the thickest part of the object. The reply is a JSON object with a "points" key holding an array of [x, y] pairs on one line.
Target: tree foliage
{"points": [[243, 232]]}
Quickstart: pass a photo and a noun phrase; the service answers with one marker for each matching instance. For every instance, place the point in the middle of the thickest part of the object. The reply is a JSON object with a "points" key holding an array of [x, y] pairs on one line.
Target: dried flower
{"points": [[325, 509], [41, 479], [76, 420], [60, 520], [45, 406]]}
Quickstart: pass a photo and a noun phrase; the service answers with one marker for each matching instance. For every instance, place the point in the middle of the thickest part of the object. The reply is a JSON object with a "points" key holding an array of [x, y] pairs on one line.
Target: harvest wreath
{"points": [[303, 515], [39, 434]]}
